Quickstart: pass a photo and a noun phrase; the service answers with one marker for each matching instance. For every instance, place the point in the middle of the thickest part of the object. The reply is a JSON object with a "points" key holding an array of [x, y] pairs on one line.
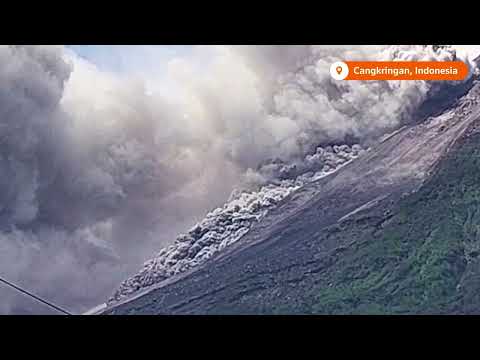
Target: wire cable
{"points": [[18, 288]]}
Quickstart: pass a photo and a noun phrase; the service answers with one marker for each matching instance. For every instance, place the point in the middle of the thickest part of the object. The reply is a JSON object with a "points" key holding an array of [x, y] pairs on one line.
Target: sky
{"points": [[146, 62], [125, 58]]}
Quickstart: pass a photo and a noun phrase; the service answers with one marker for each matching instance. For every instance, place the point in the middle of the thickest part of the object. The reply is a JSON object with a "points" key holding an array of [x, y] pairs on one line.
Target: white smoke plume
{"points": [[96, 176]]}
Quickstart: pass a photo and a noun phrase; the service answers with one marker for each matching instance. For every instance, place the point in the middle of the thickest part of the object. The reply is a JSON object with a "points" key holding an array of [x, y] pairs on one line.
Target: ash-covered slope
{"points": [[391, 232], [227, 225]]}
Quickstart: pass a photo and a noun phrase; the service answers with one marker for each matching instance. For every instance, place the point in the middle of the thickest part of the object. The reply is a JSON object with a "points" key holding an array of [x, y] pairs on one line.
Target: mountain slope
{"points": [[392, 232]]}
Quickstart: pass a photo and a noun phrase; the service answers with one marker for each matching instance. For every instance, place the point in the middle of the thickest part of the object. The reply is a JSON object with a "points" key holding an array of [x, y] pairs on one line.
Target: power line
{"points": [[18, 288]]}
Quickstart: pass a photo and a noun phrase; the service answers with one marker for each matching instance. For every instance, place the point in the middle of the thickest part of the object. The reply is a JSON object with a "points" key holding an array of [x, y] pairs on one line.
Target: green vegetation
{"points": [[423, 259]]}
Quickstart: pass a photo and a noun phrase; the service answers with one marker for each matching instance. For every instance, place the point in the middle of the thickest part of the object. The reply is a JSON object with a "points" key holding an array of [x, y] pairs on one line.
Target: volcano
{"points": [[394, 230]]}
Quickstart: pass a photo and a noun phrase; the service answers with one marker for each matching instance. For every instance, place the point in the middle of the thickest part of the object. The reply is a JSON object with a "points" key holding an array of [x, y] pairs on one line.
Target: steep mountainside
{"points": [[394, 231]]}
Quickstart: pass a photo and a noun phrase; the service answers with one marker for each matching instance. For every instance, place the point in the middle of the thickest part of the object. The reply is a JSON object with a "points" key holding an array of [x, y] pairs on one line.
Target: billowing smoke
{"points": [[96, 176]]}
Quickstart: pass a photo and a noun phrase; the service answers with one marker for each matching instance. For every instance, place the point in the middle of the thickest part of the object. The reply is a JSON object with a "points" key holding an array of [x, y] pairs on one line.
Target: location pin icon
{"points": [[339, 70]]}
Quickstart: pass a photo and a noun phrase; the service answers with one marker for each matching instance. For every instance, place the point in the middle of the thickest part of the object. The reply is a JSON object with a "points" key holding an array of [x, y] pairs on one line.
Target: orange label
{"points": [[406, 70]]}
